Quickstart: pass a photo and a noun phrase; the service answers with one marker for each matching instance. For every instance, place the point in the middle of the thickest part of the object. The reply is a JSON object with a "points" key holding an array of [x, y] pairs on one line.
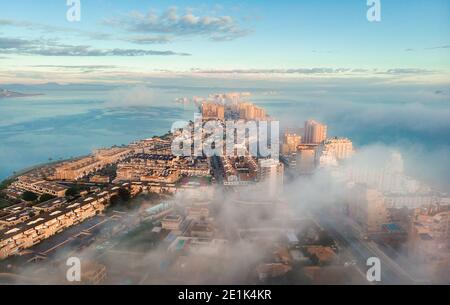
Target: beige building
{"points": [[290, 143], [197, 212], [75, 170], [40, 186], [172, 222], [367, 207], [250, 112], [306, 158], [15, 239], [213, 111], [315, 132], [340, 148], [429, 237]]}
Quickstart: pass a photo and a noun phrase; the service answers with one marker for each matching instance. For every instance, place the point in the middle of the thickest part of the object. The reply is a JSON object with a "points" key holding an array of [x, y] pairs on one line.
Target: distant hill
{"points": [[10, 94]]}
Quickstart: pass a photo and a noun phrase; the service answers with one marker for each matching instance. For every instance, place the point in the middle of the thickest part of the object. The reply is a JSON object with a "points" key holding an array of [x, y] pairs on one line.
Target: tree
{"points": [[124, 194], [29, 196], [5, 183], [72, 192], [46, 197]]}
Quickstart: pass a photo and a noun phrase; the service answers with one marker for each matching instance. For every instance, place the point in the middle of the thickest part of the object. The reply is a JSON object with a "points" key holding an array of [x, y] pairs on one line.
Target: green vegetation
{"points": [[29, 196], [5, 183], [72, 192], [124, 194], [164, 136], [46, 197], [122, 200], [4, 203], [75, 190]]}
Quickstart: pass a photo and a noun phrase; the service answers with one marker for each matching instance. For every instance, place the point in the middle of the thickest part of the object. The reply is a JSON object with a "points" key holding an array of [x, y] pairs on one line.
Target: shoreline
{"points": [[34, 167]]}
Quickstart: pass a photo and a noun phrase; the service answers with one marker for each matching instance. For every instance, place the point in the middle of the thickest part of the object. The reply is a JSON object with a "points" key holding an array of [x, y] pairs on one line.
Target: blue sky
{"points": [[115, 39]]}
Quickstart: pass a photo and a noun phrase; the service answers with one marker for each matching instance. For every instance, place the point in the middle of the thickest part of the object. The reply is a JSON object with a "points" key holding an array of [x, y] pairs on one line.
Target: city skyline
{"points": [[225, 143]]}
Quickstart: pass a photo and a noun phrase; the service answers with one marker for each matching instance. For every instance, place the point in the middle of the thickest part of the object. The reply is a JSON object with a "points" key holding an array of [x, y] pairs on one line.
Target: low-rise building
{"points": [[202, 229], [429, 236], [44, 225], [323, 255], [172, 222], [77, 169], [267, 271], [197, 212], [40, 186]]}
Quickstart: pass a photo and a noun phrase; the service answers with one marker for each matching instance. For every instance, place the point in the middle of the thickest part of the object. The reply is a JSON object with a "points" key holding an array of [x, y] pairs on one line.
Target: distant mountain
{"points": [[56, 87], [10, 94]]}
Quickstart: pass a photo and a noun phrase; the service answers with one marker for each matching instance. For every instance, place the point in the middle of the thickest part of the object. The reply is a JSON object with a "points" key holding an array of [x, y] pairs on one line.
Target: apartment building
{"points": [[44, 225], [213, 111], [75, 170], [367, 207], [39, 186]]}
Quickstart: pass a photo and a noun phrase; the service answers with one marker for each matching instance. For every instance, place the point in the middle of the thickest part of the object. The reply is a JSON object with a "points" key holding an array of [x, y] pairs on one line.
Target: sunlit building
{"points": [[367, 207], [213, 111], [315, 132], [290, 143], [341, 148], [306, 158]]}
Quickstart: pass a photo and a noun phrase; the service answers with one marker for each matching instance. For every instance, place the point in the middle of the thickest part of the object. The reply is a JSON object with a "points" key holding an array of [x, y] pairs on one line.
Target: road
{"points": [[218, 172], [351, 238]]}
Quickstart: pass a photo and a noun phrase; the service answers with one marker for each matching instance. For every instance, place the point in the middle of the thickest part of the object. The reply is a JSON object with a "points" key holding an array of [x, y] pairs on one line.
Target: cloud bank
{"points": [[172, 22], [55, 48]]}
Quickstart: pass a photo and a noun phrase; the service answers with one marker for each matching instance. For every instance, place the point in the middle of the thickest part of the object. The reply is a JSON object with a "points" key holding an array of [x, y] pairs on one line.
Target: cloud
{"points": [[76, 67], [135, 96], [54, 48], [439, 47], [408, 71], [147, 39], [141, 39], [13, 43], [45, 28], [319, 71], [431, 48], [216, 28], [81, 68], [275, 71]]}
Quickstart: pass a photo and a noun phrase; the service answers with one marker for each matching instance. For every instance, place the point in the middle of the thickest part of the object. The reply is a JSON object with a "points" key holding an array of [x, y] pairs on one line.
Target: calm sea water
{"points": [[63, 123], [60, 125]]}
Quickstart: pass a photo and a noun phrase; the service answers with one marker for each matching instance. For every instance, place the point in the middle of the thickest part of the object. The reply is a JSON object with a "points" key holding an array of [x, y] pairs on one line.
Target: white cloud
{"points": [[186, 24], [137, 96]]}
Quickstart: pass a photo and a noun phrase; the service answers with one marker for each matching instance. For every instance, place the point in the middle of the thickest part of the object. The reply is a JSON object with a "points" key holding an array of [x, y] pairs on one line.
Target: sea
{"points": [[69, 121]]}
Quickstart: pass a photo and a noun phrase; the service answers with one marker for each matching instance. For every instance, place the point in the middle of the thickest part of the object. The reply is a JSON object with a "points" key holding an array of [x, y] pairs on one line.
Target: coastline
{"points": [[34, 167]]}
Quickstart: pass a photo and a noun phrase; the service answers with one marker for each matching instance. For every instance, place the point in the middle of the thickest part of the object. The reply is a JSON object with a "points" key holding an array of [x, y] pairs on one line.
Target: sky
{"points": [[130, 40]]}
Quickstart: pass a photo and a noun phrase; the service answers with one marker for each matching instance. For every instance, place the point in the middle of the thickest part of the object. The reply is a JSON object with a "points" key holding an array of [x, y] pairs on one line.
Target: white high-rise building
{"points": [[271, 174], [340, 148], [326, 159]]}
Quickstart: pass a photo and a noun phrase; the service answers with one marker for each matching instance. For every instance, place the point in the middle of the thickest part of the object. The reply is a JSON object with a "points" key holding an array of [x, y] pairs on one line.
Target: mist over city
{"points": [[259, 143]]}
